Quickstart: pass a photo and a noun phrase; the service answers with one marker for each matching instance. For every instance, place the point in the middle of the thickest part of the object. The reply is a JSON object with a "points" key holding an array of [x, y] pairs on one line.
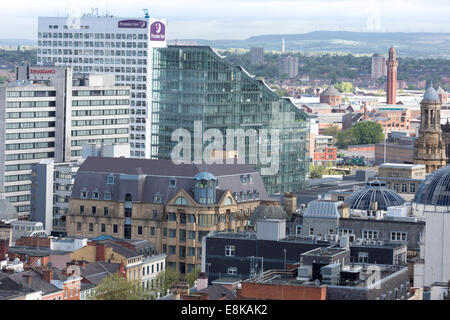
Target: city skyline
{"points": [[232, 19]]}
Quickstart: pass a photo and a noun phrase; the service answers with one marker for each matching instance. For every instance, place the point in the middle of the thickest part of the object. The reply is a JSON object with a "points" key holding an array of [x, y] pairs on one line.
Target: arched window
{"points": [[228, 201], [181, 201]]}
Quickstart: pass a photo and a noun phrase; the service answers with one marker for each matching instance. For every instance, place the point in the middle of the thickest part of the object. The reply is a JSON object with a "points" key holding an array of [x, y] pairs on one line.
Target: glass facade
{"points": [[194, 83]]}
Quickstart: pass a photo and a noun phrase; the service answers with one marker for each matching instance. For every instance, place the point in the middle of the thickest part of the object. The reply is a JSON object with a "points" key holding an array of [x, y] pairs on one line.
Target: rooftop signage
{"points": [[42, 71], [158, 31], [133, 24]]}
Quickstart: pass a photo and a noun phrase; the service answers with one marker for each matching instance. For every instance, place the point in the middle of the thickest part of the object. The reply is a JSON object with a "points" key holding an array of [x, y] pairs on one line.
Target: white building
{"points": [[151, 266], [105, 44], [49, 114], [27, 229], [432, 203]]}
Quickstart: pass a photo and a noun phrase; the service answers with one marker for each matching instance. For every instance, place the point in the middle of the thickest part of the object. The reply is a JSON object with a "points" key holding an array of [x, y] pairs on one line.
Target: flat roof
{"points": [[401, 165]]}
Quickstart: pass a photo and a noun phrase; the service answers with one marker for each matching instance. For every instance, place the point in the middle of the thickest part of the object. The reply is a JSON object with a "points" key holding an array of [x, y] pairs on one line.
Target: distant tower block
{"points": [[282, 46], [392, 65]]}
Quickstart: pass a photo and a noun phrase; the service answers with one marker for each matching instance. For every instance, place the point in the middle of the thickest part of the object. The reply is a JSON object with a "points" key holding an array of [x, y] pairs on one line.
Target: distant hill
{"points": [[17, 42], [418, 44]]}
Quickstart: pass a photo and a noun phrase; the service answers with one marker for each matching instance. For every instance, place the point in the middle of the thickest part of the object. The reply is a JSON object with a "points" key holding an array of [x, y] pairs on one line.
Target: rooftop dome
{"points": [[205, 176], [268, 210], [374, 191], [330, 92], [7, 210], [431, 95], [435, 189]]}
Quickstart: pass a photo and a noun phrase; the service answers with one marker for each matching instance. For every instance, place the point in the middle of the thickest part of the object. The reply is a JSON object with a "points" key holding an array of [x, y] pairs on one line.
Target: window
{"points": [[230, 251], [172, 233], [340, 198], [155, 214], [363, 257], [172, 183], [191, 235], [191, 218], [140, 230], [398, 236], [91, 227], [232, 270], [78, 226], [181, 201], [298, 230], [370, 234], [191, 251], [94, 210], [172, 249], [115, 227], [83, 194], [228, 201], [110, 179], [81, 209], [311, 231], [412, 188], [105, 211], [182, 235], [107, 195], [172, 216], [103, 227], [404, 188], [152, 231]]}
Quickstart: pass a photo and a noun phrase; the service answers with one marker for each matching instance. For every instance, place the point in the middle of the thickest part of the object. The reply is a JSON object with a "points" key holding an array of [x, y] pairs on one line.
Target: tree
{"points": [[164, 281], [345, 87], [192, 276], [116, 287], [316, 172], [331, 130], [346, 138], [368, 132]]}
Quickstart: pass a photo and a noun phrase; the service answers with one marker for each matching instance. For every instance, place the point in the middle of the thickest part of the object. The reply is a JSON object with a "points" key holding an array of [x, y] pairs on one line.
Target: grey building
{"points": [[51, 114], [288, 65], [256, 56]]}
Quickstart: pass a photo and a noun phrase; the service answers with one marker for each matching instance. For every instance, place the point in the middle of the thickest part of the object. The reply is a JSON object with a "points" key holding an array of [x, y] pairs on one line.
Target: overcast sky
{"points": [[240, 19]]}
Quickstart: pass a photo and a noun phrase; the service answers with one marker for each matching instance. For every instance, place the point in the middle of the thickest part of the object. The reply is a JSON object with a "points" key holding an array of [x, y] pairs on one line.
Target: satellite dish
{"points": [[317, 282]]}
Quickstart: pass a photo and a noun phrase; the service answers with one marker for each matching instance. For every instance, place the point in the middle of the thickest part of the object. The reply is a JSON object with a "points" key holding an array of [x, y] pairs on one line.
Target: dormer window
{"points": [[250, 179], [107, 195], [244, 179], [157, 198], [172, 183], [83, 194], [110, 179], [95, 195]]}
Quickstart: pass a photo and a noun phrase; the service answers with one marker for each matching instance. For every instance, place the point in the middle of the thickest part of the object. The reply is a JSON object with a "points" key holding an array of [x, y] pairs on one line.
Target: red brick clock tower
{"points": [[392, 64]]}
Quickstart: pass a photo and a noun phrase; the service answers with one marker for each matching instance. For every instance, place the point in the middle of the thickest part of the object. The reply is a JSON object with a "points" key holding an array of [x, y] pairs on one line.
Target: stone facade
{"points": [[430, 148]]}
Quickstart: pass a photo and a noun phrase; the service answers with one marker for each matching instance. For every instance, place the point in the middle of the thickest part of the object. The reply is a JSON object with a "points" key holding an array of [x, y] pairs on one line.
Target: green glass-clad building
{"points": [[195, 83]]}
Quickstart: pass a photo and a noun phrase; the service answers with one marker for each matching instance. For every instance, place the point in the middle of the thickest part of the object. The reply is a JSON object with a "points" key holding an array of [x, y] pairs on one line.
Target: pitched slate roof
{"points": [[323, 209], [37, 282], [144, 178], [95, 272], [217, 291], [330, 92]]}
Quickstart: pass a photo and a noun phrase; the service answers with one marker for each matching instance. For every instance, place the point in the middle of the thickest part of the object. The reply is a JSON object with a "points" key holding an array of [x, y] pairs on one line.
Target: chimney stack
{"points": [[202, 281], [290, 203], [48, 274]]}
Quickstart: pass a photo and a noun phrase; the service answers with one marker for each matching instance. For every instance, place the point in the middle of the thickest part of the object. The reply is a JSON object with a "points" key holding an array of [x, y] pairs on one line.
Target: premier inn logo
{"points": [[157, 31], [139, 24]]}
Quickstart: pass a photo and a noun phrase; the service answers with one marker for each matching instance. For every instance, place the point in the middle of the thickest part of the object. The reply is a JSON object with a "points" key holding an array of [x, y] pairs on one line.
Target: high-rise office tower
{"points": [[49, 114], [378, 66], [256, 56], [194, 83], [392, 65], [108, 45]]}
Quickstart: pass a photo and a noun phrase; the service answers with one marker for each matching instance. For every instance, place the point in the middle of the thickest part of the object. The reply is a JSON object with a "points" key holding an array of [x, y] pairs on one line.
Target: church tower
{"points": [[429, 148], [392, 65]]}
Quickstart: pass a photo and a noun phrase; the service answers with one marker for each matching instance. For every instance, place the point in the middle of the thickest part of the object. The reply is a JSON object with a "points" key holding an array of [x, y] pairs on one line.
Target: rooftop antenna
{"points": [[147, 15]]}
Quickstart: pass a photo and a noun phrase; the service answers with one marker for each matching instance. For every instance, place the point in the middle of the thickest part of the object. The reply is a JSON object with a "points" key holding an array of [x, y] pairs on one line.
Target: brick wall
{"points": [[280, 292], [35, 242]]}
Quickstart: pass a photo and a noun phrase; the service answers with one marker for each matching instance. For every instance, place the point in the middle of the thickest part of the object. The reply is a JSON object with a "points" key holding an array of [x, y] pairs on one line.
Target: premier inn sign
{"points": [[139, 24]]}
